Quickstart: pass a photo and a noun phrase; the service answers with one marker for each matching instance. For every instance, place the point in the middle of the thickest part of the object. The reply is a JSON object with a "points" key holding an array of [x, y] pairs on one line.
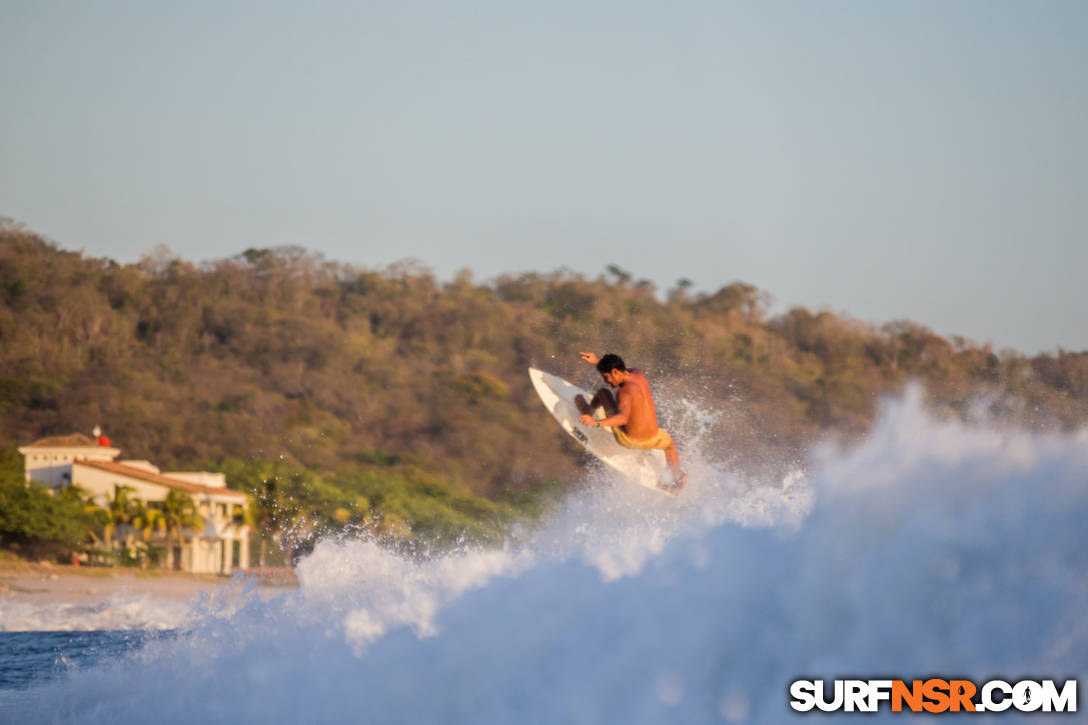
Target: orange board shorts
{"points": [[660, 440]]}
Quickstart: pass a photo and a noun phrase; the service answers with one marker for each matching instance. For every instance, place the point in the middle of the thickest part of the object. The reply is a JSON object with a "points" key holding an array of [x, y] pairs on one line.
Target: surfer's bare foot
{"points": [[679, 478]]}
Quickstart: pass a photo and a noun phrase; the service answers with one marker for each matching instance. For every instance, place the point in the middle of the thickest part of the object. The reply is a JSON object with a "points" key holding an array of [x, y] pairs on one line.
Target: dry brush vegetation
{"points": [[277, 359]]}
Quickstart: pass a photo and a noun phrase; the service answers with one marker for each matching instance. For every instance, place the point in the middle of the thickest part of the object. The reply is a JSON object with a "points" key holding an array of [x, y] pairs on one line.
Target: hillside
{"points": [[279, 355]]}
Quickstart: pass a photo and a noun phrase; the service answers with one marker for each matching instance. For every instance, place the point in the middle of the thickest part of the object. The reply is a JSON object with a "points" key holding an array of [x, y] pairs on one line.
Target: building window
{"points": [[222, 511]]}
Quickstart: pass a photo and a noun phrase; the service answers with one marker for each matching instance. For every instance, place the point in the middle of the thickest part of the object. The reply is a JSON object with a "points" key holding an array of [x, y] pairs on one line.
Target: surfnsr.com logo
{"points": [[933, 696]]}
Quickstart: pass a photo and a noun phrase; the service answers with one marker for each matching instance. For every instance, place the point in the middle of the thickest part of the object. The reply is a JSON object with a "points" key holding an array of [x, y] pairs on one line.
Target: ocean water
{"points": [[932, 548], [29, 658]]}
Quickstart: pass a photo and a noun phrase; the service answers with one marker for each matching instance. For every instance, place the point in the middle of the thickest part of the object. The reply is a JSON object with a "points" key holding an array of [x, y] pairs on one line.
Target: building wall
{"points": [[53, 465], [200, 549], [209, 550], [102, 485], [204, 478]]}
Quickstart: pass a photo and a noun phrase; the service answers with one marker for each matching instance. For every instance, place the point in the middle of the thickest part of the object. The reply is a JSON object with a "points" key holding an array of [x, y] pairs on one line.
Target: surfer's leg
{"points": [[679, 476], [603, 398]]}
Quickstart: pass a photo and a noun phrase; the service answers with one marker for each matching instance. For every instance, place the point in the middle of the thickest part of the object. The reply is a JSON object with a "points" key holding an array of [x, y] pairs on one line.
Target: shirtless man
{"points": [[631, 413]]}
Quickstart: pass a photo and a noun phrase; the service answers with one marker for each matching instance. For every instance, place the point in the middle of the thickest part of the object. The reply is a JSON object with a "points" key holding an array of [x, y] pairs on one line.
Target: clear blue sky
{"points": [[922, 160]]}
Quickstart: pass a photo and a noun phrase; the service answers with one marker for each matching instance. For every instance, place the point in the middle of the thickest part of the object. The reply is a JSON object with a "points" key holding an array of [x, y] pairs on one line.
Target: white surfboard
{"points": [[646, 468]]}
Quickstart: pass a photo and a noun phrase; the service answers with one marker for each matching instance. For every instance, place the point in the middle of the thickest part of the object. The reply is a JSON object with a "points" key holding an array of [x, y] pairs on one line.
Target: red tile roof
{"points": [[159, 479], [75, 440]]}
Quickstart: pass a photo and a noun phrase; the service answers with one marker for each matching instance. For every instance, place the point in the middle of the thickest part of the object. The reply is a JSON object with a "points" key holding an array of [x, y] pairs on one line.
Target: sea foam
{"points": [[932, 547]]}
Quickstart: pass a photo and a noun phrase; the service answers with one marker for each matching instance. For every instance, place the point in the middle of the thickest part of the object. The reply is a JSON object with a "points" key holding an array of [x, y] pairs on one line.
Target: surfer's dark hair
{"points": [[609, 362]]}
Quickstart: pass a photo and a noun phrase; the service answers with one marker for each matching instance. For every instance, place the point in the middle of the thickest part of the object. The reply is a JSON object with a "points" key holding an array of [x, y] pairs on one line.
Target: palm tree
{"points": [[247, 514], [119, 510], [179, 512], [245, 517], [146, 520]]}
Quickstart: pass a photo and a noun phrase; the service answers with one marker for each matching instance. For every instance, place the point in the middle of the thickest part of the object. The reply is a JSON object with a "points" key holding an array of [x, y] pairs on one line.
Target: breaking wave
{"points": [[119, 611], [932, 547]]}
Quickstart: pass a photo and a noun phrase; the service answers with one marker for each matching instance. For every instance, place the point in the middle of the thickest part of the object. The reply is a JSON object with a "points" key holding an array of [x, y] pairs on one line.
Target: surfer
{"points": [[630, 413]]}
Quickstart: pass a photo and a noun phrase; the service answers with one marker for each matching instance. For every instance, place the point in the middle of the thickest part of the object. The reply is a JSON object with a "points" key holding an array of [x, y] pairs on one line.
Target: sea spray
{"points": [[373, 589], [115, 612], [933, 547]]}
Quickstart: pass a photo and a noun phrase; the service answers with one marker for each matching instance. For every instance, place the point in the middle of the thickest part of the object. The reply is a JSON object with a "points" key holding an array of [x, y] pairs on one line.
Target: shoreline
{"points": [[41, 596]]}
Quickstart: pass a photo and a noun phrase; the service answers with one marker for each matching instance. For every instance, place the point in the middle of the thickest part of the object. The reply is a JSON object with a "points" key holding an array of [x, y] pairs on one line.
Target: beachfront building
{"points": [[220, 546]]}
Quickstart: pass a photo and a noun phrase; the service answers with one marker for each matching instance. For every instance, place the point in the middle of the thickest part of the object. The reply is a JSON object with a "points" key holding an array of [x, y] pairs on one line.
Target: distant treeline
{"points": [[277, 355]]}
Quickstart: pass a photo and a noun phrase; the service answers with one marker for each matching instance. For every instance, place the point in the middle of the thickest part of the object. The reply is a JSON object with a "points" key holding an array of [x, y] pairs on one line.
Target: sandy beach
{"points": [[44, 596]]}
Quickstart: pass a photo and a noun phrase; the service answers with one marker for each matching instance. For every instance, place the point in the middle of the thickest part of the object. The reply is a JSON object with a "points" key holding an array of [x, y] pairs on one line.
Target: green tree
{"points": [[386, 401], [147, 519], [121, 508], [179, 514], [37, 522]]}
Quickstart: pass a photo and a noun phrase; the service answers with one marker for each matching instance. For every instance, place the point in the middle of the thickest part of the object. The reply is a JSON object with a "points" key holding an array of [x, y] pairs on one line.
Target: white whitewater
{"points": [[119, 611], [934, 547]]}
